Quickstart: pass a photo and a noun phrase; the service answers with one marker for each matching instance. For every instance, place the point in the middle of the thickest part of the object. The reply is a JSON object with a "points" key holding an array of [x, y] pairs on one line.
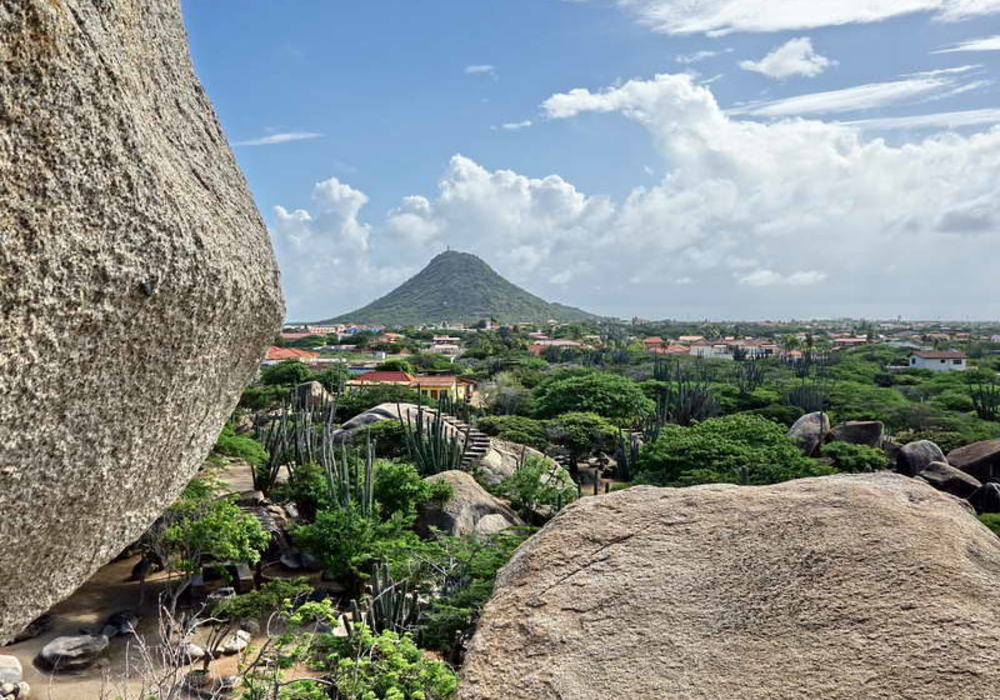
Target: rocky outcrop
{"points": [[138, 288], [385, 411], [832, 588], [980, 459], [870, 433], [810, 432], [471, 510], [914, 457], [311, 395], [502, 459], [947, 478]]}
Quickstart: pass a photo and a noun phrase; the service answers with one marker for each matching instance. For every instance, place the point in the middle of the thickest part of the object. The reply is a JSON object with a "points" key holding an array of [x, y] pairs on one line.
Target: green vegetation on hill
{"points": [[462, 288]]}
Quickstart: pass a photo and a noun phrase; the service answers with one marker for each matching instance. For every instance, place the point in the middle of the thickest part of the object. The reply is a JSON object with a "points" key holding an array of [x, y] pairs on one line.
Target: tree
{"points": [[610, 396], [505, 394], [334, 379], [738, 449], [395, 365], [583, 434], [201, 528], [285, 373]]}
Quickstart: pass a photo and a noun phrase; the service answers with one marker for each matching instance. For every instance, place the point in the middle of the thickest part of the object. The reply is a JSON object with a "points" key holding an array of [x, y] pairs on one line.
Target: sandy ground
{"points": [[109, 591]]}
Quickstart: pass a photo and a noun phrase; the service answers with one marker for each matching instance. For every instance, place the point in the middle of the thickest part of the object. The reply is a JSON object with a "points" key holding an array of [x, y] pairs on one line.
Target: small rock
{"points": [[23, 690], [947, 478], [235, 644], [251, 626], [72, 653], [7, 689], [10, 670], [189, 653], [123, 622]]}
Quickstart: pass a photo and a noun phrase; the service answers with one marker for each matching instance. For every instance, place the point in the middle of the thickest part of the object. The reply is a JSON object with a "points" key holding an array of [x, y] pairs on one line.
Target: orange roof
{"points": [[275, 354], [377, 377], [673, 349], [435, 380], [655, 340]]}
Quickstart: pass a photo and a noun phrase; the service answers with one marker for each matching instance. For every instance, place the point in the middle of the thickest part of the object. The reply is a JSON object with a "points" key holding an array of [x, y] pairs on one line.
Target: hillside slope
{"points": [[459, 287]]}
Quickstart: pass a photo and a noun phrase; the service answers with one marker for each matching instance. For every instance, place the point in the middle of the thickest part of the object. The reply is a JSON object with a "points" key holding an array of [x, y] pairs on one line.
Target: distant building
{"points": [[433, 386], [947, 361], [276, 355], [849, 342], [448, 349], [671, 349], [691, 339]]}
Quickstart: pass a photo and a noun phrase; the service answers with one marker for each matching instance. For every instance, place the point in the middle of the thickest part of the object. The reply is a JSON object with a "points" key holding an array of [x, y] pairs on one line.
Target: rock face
{"points": [[870, 433], [470, 511], [385, 411], [981, 459], [501, 460], [810, 432], [947, 478], [138, 288], [914, 457], [832, 588]]}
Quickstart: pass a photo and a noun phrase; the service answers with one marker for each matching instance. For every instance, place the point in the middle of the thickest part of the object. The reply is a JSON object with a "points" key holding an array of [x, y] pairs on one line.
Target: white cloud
{"points": [[792, 217], [795, 57], [482, 69], [516, 126], [941, 120], [770, 278], [696, 57], [275, 139], [943, 71], [860, 97], [719, 17], [991, 43]]}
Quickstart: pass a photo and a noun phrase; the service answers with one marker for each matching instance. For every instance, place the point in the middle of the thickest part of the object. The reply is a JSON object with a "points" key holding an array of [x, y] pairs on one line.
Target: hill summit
{"points": [[459, 287]]}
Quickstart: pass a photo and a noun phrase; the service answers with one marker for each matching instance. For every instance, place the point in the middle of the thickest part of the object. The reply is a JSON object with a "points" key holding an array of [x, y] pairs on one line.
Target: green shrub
{"points": [[783, 415], [992, 521], [516, 429], [854, 458], [387, 436], [240, 447], [742, 448], [539, 485], [358, 401], [611, 396], [257, 397], [399, 490], [287, 373]]}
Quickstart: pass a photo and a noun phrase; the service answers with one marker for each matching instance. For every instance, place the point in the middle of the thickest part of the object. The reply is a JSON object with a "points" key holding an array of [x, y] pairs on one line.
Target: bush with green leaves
{"points": [[399, 490], [388, 438], [737, 449], [286, 373], [611, 396], [847, 457], [583, 434], [358, 401], [516, 429], [538, 489], [240, 447], [258, 397], [467, 570]]}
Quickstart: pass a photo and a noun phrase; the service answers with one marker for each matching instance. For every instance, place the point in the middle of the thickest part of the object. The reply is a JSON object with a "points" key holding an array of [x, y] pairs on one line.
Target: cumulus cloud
{"points": [[991, 43], [719, 17], [790, 217], [275, 139], [795, 57]]}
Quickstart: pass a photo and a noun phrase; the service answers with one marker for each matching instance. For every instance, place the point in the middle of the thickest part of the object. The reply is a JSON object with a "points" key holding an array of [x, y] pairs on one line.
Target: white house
{"points": [[947, 361]]}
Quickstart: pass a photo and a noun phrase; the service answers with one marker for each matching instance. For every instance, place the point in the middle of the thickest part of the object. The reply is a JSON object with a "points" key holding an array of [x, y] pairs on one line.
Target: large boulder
{"points": [[469, 511], [980, 459], [986, 499], [810, 432], [947, 478], [832, 588], [312, 395], [870, 433], [72, 653], [385, 411], [137, 285], [914, 457], [503, 458]]}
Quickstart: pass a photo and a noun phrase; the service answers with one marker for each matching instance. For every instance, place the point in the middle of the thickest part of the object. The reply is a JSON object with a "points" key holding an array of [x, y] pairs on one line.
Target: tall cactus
{"points": [[433, 447], [391, 605]]}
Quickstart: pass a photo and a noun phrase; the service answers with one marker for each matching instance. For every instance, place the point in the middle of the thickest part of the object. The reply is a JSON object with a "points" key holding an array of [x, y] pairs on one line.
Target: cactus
{"points": [[627, 456], [391, 605], [294, 438], [809, 396], [350, 481], [432, 446], [986, 398], [749, 375]]}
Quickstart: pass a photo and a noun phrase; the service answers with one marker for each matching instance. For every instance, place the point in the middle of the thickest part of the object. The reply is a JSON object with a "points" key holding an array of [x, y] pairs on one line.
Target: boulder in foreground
{"points": [[832, 588], [138, 289]]}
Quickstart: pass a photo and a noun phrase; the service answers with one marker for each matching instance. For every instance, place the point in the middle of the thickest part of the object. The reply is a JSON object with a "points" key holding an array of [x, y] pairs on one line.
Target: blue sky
{"points": [[373, 136]]}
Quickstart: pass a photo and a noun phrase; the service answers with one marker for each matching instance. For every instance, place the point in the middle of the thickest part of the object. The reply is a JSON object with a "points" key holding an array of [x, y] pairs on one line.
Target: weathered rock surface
{"points": [[947, 478], [138, 288], [870, 433], [311, 395], [385, 411], [502, 459], [832, 588], [810, 432], [980, 459], [914, 457], [986, 499], [469, 510], [72, 653]]}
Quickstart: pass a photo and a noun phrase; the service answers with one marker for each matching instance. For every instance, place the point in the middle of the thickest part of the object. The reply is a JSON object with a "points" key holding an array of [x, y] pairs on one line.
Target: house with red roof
{"points": [[943, 361], [276, 355]]}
